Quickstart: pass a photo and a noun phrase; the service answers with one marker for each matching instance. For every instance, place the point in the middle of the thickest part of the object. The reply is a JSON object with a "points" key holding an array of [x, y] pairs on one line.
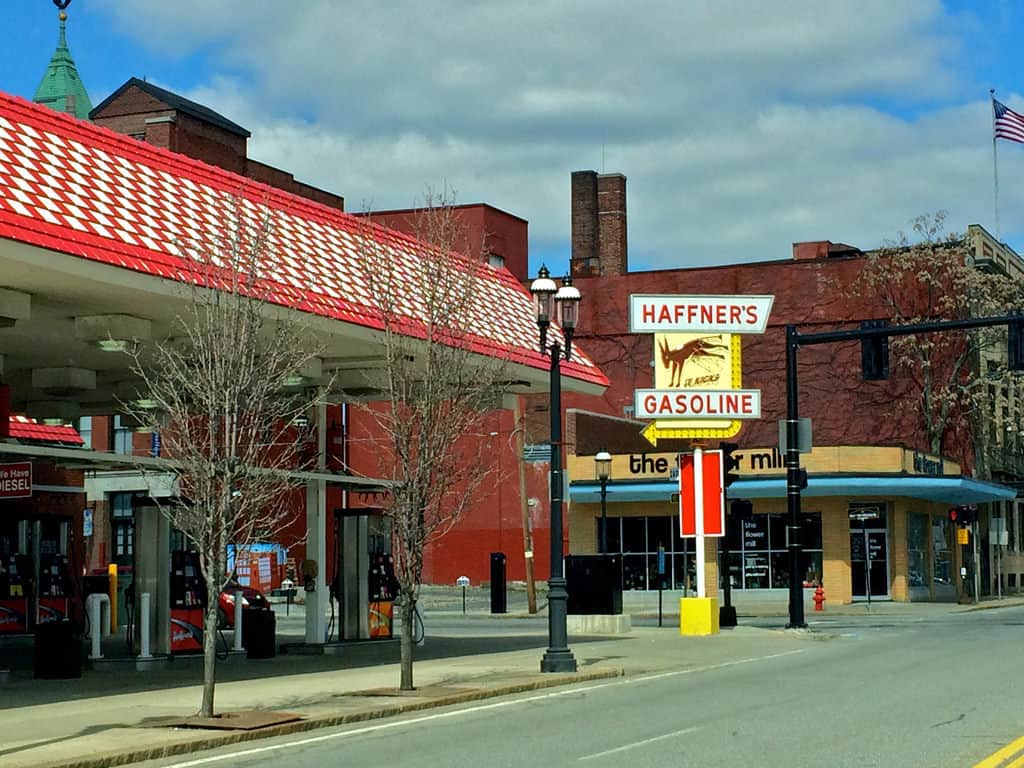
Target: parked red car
{"points": [[251, 598]]}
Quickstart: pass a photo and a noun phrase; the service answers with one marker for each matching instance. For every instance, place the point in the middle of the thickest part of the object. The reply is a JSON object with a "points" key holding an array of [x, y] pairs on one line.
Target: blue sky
{"points": [[741, 129]]}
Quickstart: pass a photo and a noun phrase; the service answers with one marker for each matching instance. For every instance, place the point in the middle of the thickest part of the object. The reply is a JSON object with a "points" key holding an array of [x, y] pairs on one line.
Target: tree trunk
{"points": [[408, 608], [209, 656]]}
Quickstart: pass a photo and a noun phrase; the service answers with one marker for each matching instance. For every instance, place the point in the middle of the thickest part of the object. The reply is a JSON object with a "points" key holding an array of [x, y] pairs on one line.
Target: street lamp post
{"points": [[603, 465], [548, 296]]}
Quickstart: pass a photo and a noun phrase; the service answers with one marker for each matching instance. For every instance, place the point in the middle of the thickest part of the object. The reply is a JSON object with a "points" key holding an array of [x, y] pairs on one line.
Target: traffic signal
{"points": [[874, 352], [730, 462], [963, 515], [1015, 345]]}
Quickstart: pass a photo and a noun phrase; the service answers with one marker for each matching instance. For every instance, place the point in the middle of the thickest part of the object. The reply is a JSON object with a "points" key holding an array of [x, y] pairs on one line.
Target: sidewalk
{"points": [[114, 718]]}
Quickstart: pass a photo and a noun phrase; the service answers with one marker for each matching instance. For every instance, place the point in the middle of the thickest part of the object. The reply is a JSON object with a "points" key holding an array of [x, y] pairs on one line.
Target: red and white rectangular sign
{"points": [[710, 486], [15, 480], [698, 314], [713, 404]]}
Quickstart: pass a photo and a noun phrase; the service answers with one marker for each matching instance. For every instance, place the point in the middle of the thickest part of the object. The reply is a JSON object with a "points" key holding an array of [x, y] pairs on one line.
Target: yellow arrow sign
{"points": [[662, 430]]}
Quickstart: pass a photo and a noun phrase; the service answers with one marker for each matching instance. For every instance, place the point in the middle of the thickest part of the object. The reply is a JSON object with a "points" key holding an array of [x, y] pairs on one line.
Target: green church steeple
{"points": [[61, 88]]}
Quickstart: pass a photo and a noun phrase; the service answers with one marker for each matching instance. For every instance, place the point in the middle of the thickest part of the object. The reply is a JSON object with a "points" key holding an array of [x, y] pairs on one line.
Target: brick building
{"points": [[875, 514]]}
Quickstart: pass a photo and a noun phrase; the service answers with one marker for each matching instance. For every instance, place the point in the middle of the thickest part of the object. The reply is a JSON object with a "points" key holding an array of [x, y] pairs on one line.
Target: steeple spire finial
{"points": [[61, 88]]}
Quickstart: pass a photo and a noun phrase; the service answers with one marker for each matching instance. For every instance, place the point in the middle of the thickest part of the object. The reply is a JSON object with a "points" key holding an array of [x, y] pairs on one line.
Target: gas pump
{"points": [[188, 602], [14, 592], [383, 588], [54, 588]]}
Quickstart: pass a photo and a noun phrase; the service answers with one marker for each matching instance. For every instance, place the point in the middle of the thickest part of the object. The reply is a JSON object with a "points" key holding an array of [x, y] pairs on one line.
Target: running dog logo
{"points": [[703, 351]]}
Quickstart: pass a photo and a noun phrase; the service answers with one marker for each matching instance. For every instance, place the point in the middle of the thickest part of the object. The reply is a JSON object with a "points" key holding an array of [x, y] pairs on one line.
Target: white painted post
{"points": [[144, 626], [698, 512], [238, 620], [98, 621]]}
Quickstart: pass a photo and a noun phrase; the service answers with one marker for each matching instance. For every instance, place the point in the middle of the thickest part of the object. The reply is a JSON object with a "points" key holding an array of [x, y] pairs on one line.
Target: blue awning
{"points": [[945, 489]]}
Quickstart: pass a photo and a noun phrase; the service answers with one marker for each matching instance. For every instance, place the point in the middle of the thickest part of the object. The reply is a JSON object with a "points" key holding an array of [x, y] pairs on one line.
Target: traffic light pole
{"points": [[793, 481], [794, 476]]}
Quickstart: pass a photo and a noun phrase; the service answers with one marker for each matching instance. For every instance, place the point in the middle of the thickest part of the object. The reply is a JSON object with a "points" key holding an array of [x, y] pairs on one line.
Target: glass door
{"points": [[869, 563]]}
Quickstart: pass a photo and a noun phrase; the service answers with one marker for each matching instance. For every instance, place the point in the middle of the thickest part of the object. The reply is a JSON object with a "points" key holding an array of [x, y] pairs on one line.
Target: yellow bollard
{"points": [[698, 616], [112, 589]]}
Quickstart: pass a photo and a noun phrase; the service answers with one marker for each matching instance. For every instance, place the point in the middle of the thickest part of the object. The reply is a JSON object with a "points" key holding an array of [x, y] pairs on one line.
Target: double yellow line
{"points": [[1010, 756]]}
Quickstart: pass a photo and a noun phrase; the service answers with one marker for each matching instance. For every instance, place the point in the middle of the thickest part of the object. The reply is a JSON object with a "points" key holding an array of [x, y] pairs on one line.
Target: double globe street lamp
{"points": [[549, 298]]}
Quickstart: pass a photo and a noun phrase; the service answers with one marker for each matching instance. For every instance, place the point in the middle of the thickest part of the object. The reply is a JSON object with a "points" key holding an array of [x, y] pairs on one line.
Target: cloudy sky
{"points": [[741, 126]]}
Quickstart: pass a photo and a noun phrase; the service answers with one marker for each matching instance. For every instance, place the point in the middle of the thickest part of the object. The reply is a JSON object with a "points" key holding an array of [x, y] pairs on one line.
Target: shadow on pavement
{"points": [[23, 690]]}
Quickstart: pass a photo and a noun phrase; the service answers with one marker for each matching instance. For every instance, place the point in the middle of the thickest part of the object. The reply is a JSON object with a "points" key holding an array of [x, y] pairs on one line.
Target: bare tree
{"points": [[932, 278], [436, 386], [222, 392]]}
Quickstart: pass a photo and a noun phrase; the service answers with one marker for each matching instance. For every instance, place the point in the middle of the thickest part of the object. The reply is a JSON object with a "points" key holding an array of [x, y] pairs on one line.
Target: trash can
{"points": [[499, 595], [58, 651], [259, 633], [594, 584]]}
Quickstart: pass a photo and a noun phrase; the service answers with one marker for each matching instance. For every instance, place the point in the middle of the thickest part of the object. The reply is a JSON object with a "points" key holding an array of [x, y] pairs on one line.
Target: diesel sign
{"points": [[15, 480]]}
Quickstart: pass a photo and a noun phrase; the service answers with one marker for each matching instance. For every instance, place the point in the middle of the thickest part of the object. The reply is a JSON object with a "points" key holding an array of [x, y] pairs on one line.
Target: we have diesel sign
{"points": [[15, 480]]}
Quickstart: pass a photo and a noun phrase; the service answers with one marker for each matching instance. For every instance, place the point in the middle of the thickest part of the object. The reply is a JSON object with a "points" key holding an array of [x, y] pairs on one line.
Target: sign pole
{"points": [[698, 513]]}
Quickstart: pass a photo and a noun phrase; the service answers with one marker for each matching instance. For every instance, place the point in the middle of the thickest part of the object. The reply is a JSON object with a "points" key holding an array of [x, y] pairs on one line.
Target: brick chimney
{"points": [[598, 224], [814, 249]]}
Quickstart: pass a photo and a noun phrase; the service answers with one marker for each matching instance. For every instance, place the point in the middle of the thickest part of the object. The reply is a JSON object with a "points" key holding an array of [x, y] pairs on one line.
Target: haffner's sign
{"points": [[15, 480], [699, 314]]}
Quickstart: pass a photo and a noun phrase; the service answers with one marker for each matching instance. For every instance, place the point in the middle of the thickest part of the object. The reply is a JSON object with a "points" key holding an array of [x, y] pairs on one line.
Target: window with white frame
{"points": [[85, 431]]}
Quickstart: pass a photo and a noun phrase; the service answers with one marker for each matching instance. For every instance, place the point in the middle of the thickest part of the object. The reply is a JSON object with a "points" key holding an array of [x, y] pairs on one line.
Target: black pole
{"points": [[793, 484], [726, 613], [558, 657], [604, 515]]}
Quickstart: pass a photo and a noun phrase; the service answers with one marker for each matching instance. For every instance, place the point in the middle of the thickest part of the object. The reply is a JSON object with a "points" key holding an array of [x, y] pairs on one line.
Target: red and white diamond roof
{"points": [[24, 428], [77, 189]]}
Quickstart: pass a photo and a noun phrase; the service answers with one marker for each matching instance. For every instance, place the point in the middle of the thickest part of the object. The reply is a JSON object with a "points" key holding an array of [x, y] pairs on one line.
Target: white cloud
{"points": [[742, 127]]}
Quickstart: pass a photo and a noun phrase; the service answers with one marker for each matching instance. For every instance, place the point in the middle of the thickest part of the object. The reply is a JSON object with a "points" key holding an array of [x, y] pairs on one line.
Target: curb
{"points": [[205, 742]]}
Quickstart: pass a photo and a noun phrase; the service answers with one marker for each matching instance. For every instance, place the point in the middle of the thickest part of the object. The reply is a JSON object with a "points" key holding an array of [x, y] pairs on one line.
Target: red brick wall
{"points": [[279, 179], [485, 230], [810, 293], [200, 140]]}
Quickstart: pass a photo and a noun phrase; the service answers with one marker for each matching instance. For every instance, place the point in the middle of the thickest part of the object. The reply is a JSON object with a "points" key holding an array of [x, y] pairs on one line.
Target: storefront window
{"points": [[943, 555], [759, 557], [762, 561], [634, 534], [917, 549], [637, 540]]}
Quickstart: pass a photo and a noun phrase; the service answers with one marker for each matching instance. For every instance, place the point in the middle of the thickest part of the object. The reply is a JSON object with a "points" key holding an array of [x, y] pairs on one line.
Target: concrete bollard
{"points": [[97, 607], [238, 620]]}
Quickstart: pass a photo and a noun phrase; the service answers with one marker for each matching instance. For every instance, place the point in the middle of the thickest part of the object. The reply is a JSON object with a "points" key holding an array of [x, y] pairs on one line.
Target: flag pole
{"points": [[995, 169]]}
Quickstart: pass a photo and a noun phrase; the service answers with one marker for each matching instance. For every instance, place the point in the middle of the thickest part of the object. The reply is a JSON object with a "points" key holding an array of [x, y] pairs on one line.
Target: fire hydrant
{"points": [[819, 599]]}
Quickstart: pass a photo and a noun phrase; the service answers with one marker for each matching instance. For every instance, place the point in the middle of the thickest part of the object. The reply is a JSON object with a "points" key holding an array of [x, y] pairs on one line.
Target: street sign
{"points": [[803, 435], [16, 480], [698, 314], [462, 581], [712, 495]]}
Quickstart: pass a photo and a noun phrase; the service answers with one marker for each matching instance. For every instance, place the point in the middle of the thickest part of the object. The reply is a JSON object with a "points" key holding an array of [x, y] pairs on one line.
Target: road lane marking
{"points": [[1015, 749], [636, 744], [560, 693]]}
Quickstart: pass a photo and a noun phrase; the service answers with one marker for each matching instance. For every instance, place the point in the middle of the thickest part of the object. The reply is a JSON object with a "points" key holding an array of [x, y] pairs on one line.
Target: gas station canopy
{"points": [[91, 231]]}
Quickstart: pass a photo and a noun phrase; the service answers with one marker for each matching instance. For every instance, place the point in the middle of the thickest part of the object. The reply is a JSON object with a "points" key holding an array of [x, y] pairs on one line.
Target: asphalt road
{"points": [[938, 691]]}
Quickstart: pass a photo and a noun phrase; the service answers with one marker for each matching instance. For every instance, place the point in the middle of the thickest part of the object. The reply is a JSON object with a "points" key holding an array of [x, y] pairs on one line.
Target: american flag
{"points": [[1009, 124]]}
